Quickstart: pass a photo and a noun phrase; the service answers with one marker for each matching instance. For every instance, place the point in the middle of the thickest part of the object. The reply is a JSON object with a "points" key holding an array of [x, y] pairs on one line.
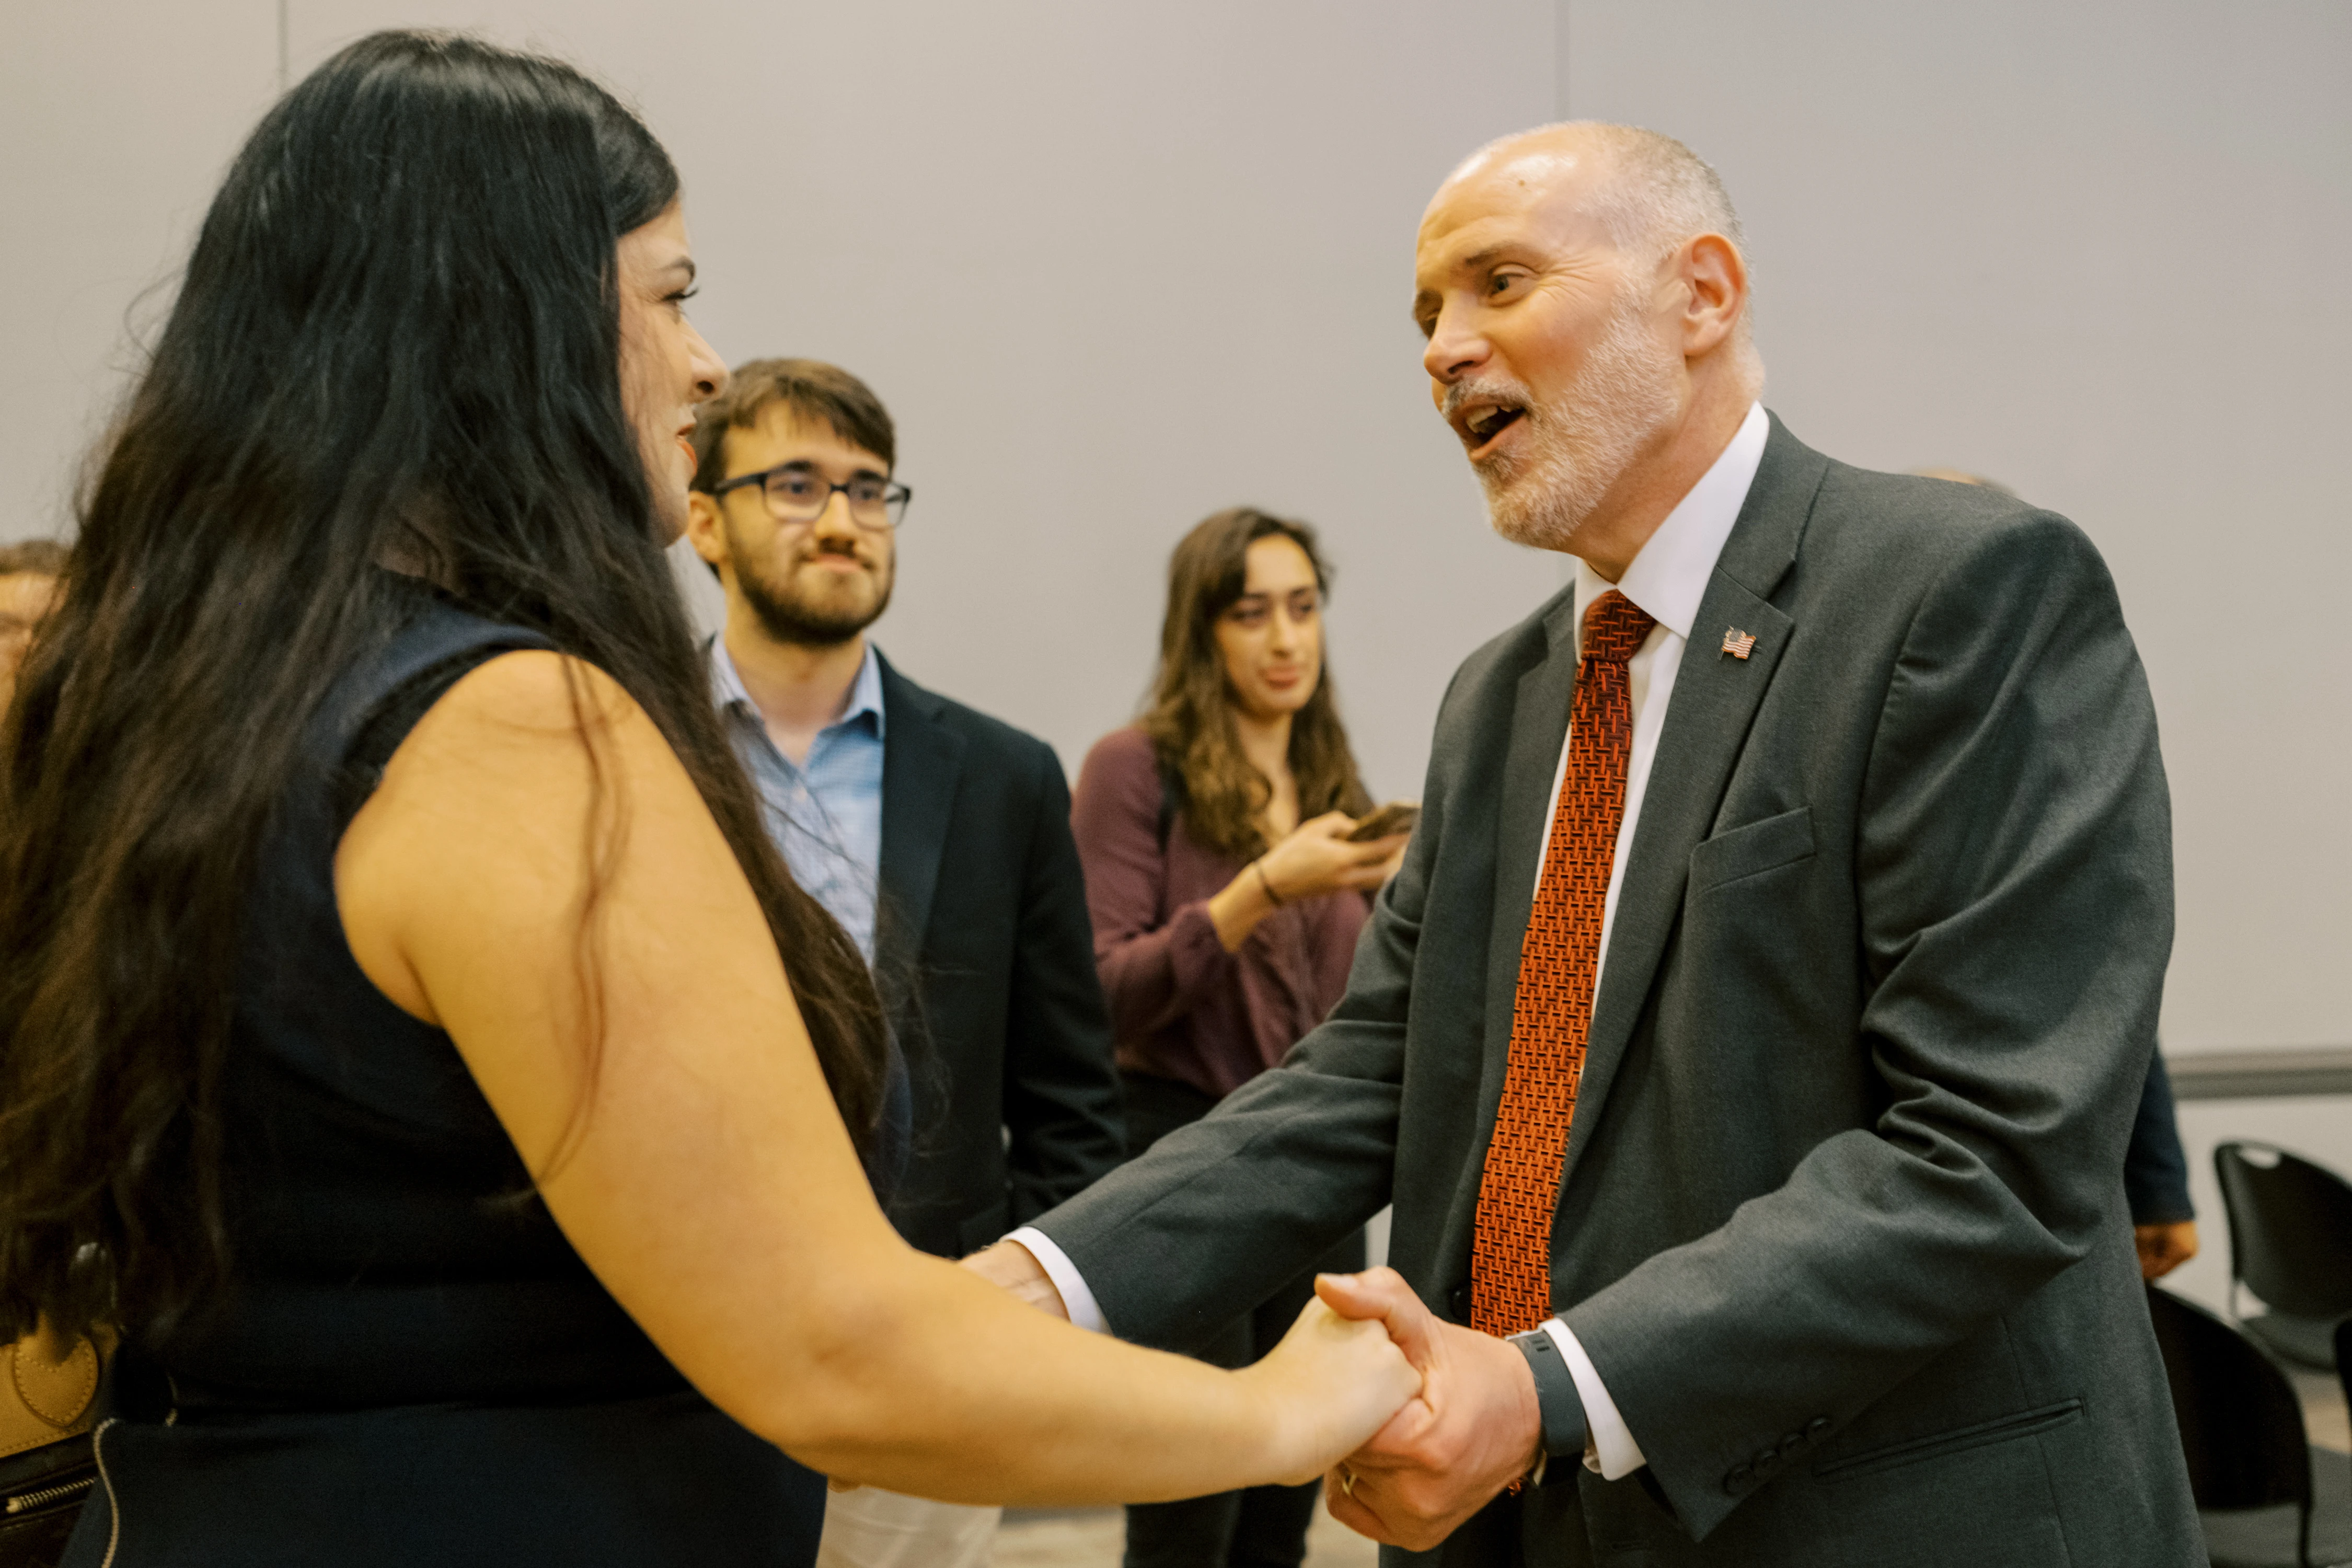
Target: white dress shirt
{"points": [[1667, 581]]}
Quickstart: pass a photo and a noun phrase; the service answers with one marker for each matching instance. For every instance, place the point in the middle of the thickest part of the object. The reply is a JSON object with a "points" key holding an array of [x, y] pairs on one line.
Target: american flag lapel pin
{"points": [[1738, 644]]}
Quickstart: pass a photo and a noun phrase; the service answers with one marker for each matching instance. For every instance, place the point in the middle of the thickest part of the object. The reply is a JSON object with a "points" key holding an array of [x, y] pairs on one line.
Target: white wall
{"points": [[1112, 267], [117, 118], [1116, 266], [2090, 248]]}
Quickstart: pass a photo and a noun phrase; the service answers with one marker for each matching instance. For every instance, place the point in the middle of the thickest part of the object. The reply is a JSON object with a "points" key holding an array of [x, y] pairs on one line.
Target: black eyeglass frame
{"points": [[894, 494]]}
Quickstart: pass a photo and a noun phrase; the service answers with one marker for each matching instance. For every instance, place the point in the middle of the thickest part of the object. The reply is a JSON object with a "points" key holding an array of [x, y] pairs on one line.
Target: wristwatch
{"points": [[1559, 1405]]}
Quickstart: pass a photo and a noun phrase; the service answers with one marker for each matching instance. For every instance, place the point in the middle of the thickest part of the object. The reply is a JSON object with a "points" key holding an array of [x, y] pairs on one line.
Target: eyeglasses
{"points": [[798, 494]]}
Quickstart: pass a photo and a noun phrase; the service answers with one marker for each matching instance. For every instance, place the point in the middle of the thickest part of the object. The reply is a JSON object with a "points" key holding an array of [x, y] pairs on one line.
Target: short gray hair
{"points": [[1659, 191], [1657, 194], [1663, 193]]}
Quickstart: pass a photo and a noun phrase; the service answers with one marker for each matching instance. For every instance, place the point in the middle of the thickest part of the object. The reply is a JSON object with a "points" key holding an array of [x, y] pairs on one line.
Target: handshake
{"points": [[1415, 1422]]}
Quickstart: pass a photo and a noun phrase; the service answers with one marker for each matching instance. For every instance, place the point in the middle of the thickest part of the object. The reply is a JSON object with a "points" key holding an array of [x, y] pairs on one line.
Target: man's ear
{"points": [[1717, 276], [703, 529]]}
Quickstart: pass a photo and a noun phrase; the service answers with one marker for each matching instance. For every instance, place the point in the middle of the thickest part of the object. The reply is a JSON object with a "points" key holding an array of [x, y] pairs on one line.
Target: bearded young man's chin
{"points": [[796, 621]]}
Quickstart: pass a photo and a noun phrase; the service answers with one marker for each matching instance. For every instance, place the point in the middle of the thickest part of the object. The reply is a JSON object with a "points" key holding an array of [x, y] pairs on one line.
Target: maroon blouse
{"points": [[1182, 1006]]}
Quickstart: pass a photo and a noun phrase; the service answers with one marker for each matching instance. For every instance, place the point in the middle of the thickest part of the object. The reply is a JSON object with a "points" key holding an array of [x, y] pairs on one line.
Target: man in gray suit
{"points": [[1749, 1042]]}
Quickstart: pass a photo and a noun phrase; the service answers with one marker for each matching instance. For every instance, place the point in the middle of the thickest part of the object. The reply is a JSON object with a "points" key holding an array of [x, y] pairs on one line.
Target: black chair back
{"points": [[2240, 1424], [2290, 1230], [2344, 1359]]}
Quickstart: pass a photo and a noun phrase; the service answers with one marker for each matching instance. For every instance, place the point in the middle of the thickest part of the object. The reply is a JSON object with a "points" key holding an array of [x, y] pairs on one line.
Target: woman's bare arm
{"points": [[711, 1186]]}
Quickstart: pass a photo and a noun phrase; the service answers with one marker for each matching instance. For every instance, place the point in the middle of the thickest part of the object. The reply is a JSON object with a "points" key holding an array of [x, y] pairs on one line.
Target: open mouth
{"points": [[1482, 426]]}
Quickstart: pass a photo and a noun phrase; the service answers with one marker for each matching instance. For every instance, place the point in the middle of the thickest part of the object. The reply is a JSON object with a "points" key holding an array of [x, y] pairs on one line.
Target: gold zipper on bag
{"points": [[27, 1501]]}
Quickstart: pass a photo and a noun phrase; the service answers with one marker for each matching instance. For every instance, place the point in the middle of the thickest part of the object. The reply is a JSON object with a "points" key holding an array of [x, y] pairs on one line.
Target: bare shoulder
{"points": [[534, 731], [480, 826], [528, 696]]}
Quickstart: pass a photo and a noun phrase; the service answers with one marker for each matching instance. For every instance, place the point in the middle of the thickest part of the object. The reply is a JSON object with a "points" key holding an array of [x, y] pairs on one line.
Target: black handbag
{"points": [[48, 1404]]}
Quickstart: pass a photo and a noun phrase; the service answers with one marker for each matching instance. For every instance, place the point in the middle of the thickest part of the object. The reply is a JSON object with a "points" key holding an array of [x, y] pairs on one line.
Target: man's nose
{"points": [[834, 522], [1454, 349]]}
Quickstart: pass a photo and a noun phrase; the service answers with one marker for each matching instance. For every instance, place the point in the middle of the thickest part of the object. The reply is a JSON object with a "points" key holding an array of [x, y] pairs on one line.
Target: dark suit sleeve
{"points": [[1061, 1090], [2014, 889], [2156, 1170], [1220, 1214]]}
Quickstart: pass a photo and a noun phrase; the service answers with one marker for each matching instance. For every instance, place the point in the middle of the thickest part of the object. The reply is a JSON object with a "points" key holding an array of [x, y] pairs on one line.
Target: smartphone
{"points": [[1397, 817]]}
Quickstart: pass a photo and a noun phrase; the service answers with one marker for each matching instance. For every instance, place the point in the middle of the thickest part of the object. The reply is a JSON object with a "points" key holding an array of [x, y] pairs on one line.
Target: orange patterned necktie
{"points": [[1510, 1260]]}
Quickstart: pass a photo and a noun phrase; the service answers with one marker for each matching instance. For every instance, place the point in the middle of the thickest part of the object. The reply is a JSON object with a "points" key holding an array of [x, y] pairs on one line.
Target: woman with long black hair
{"points": [[410, 1041]]}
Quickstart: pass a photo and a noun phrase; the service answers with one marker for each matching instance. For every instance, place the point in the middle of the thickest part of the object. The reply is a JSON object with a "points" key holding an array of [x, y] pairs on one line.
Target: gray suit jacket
{"points": [[1843, 1222]]}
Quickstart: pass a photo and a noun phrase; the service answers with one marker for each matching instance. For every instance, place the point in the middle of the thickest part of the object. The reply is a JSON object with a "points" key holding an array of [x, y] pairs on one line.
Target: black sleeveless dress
{"points": [[413, 1366]]}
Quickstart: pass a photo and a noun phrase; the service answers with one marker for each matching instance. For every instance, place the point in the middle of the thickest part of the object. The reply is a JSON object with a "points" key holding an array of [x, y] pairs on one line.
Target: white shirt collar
{"points": [[1668, 578]]}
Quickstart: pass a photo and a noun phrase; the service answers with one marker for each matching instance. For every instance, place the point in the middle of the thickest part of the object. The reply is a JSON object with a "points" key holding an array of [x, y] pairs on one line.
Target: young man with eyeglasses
{"points": [[938, 837]]}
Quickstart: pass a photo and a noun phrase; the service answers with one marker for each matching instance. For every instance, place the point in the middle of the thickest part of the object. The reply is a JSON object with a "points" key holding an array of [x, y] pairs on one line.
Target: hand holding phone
{"points": [[1396, 817]]}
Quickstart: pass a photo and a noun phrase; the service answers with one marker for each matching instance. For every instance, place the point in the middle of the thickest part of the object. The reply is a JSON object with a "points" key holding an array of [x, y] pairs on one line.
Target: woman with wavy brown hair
{"points": [[1226, 898]]}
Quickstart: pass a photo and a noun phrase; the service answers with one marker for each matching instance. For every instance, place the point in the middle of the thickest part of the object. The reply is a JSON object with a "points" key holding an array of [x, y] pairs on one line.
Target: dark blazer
{"points": [[1842, 1224], [2155, 1168], [986, 961]]}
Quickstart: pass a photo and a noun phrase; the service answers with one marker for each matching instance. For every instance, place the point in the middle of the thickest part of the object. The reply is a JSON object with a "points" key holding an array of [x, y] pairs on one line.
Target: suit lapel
{"points": [[1539, 715], [1713, 700], [921, 756]]}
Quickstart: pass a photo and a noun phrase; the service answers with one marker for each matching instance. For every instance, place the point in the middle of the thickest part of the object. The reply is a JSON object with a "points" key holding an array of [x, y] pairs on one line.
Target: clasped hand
{"points": [[1472, 1430]]}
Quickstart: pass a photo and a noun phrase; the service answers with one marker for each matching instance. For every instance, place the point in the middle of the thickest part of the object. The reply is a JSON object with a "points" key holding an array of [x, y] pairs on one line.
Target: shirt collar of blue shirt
{"points": [[865, 692]]}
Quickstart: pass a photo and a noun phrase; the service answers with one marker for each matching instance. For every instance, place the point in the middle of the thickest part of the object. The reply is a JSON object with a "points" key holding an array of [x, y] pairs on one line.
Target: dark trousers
{"points": [[1264, 1527]]}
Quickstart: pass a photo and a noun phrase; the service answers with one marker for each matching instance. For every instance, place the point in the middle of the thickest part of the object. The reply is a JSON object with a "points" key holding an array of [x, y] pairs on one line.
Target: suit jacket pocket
{"points": [[1751, 847], [2001, 1429]]}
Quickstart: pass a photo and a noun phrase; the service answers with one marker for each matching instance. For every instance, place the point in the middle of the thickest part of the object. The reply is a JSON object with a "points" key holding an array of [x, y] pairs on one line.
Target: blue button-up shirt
{"points": [[825, 814]]}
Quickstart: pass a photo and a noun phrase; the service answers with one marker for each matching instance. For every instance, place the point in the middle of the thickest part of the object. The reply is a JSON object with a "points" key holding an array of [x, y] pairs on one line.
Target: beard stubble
{"points": [[791, 615], [1586, 437]]}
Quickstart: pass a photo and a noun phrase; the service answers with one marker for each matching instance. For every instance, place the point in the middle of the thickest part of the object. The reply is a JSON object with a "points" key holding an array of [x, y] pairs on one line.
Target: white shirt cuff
{"points": [[1076, 1300], [1610, 1450]]}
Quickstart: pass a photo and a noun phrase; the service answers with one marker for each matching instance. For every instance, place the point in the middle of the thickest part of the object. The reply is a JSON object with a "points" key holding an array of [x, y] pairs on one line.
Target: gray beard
{"points": [[1579, 444]]}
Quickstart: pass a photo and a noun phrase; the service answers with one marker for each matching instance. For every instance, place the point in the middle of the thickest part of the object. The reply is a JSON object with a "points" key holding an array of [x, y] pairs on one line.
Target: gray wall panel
{"points": [[119, 118], [2090, 250], [1116, 266], [1112, 267]]}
